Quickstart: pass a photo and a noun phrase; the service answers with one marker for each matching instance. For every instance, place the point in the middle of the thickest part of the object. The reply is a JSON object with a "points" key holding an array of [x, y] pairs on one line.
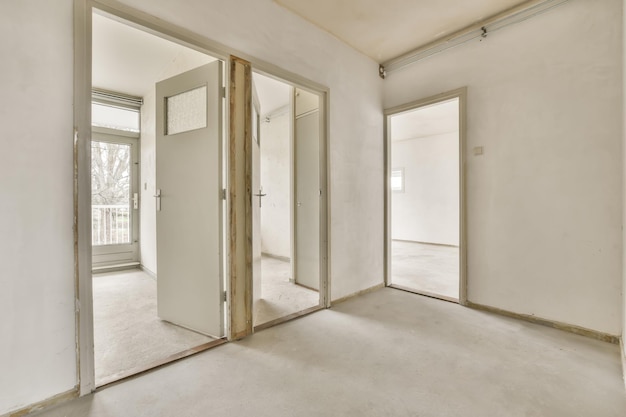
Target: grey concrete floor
{"points": [[432, 269], [387, 353], [279, 296], [128, 334]]}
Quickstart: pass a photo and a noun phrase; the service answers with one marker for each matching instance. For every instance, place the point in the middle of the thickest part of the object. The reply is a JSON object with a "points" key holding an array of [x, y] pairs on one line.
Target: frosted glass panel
{"points": [[187, 111]]}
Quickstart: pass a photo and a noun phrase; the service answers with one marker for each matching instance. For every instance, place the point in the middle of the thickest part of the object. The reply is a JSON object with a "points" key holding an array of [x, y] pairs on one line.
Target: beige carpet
{"points": [[428, 268], [127, 332], [279, 296]]}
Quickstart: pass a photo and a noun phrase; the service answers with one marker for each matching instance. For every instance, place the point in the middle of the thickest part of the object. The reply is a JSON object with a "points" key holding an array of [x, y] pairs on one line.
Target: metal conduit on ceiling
{"points": [[482, 29]]}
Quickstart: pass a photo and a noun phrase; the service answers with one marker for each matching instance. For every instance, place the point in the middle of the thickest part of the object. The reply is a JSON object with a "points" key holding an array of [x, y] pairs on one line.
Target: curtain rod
{"points": [[112, 97]]}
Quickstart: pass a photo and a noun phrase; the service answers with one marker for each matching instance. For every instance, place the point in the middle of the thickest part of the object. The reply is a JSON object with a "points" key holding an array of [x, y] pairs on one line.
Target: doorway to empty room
{"points": [[424, 199]]}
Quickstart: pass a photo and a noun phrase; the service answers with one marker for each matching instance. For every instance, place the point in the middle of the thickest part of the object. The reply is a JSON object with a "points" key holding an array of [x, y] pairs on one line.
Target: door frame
{"points": [[82, 153], [461, 95]]}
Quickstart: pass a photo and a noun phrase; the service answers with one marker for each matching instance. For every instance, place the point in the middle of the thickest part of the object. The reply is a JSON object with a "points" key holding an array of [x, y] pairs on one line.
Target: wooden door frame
{"points": [[240, 308], [83, 10], [461, 95], [82, 153]]}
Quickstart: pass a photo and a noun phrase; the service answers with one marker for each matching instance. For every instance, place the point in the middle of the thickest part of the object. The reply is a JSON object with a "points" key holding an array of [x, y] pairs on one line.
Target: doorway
{"points": [[167, 301], [425, 198], [114, 197], [234, 169], [286, 201]]}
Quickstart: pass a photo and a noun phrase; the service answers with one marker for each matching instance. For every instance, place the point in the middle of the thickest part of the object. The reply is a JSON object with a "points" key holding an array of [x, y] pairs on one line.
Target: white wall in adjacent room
{"points": [[275, 179], [427, 210], [267, 31], [544, 200]]}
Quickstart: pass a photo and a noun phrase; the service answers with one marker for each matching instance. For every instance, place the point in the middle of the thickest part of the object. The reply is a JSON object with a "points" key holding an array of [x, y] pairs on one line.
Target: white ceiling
{"points": [[273, 94], [426, 121], [386, 29], [128, 60]]}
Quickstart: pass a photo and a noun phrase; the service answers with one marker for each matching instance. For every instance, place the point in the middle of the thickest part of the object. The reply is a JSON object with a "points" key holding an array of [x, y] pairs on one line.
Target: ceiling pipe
{"points": [[481, 30]]}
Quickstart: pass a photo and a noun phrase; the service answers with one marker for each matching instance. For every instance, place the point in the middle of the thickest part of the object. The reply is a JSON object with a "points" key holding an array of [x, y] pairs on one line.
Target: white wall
{"points": [[187, 59], [37, 348], [544, 201], [37, 356], [624, 189], [275, 179], [147, 207], [428, 208], [263, 29]]}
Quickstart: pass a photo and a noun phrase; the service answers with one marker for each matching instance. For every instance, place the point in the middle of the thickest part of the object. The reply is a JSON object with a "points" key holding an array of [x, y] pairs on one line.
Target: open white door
{"points": [[189, 203], [257, 197], [307, 170]]}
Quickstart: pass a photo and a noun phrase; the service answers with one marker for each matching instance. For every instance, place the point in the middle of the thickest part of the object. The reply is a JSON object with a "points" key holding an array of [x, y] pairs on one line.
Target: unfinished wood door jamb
{"points": [[240, 207]]}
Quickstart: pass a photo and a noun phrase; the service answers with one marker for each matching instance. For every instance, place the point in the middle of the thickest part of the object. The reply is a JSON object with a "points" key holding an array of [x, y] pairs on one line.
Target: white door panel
{"points": [[257, 201], [188, 185], [307, 210]]}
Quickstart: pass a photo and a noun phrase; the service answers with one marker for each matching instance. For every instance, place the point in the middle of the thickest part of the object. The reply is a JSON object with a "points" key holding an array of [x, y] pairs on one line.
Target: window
{"points": [[112, 117], [187, 111], [397, 180]]}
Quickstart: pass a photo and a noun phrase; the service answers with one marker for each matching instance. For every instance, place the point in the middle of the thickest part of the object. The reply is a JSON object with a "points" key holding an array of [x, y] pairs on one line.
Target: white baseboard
{"points": [[114, 267], [148, 271], [279, 257]]}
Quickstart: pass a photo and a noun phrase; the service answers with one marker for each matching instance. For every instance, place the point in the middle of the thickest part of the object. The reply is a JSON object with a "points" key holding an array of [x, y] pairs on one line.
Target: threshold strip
{"points": [[287, 318], [140, 370], [425, 293]]}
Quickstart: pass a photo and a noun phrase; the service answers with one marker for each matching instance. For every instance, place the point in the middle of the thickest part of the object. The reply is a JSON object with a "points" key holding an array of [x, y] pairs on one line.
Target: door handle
{"points": [[135, 201], [260, 195], [158, 199]]}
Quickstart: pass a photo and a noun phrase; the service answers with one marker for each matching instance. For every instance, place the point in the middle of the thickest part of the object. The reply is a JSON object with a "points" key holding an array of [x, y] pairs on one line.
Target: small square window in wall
{"points": [[187, 111], [397, 180]]}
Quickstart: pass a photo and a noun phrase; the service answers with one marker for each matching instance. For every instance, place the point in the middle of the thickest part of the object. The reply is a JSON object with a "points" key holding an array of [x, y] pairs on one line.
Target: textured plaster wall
{"points": [[544, 201], [37, 321]]}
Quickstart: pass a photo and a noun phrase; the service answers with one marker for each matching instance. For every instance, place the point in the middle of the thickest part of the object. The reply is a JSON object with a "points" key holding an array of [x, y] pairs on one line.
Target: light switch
{"points": [[478, 150]]}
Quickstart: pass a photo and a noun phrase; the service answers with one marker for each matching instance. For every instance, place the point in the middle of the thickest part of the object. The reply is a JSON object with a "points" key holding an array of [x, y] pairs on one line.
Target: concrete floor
{"points": [[128, 335], [387, 353], [422, 267], [127, 331], [279, 296]]}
